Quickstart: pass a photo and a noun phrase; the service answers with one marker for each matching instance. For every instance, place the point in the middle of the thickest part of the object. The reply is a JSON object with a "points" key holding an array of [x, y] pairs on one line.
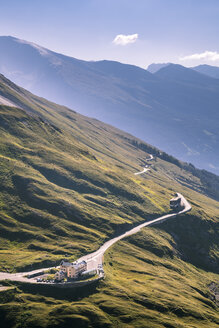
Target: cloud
{"points": [[123, 40], [206, 55]]}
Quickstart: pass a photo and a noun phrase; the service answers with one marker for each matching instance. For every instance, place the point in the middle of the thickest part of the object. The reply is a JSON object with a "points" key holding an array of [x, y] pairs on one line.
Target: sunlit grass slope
{"points": [[57, 197], [147, 284], [67, 184], [60, 197]]}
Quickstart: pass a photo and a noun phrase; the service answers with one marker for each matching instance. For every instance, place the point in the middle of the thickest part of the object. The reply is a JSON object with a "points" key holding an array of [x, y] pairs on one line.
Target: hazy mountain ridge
{"points": [[153, 68], [175, 114], [212, 71], [181, 74], [208, 70]]}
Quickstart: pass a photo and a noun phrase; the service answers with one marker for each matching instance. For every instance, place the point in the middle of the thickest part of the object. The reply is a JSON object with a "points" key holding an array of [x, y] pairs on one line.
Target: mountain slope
{"points": [[212, 71], [67, 184], [153, 68], [68, 120], [181, 74], [174, 114]]}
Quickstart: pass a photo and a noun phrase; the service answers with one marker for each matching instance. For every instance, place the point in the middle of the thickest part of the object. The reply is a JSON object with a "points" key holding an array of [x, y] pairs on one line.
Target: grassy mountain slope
{"points": [[67, 184], [177, 112]]}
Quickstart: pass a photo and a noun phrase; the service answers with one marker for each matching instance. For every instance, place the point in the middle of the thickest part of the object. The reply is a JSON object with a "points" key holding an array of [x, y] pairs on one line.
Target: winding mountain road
{"points": [[144, 170], [96, 258], [151, 157]]}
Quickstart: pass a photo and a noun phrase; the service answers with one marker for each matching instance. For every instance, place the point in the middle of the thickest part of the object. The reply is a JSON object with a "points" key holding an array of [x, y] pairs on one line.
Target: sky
{"points": [[137, 32]]}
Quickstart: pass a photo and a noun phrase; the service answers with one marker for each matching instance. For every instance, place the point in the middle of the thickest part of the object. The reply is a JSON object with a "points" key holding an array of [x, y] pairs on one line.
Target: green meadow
{"points": [[67, 185]]}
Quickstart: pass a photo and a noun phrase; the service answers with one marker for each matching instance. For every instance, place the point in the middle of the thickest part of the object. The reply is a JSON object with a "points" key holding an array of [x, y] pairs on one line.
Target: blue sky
{"points": [[152, 30]]}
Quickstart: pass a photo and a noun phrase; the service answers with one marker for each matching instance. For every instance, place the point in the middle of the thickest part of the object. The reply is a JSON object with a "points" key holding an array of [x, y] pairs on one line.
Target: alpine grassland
{"points": [[67, 185]]}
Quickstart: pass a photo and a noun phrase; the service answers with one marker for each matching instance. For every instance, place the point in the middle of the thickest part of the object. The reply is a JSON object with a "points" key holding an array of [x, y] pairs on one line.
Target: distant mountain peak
{"points": [[41, 50], [153, 68], [209, 70], [181, 74]]}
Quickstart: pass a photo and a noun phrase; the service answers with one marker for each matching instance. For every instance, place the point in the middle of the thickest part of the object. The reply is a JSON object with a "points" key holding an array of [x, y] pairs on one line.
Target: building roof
{"points": [[78, 265], [75, 264], [65, 263]]}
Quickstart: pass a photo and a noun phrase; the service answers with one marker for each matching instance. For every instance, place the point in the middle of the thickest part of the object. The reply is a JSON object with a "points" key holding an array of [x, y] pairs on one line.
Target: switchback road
{"points": [[151, 157]]}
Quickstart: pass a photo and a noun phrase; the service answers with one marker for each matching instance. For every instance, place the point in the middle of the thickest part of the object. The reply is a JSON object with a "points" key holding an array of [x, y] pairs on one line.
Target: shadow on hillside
{"points": [[196, 240], [70, 294]]}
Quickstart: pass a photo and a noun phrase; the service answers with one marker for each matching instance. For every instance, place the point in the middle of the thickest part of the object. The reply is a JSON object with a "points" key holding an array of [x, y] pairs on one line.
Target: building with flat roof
{"points": [[73, 270]]}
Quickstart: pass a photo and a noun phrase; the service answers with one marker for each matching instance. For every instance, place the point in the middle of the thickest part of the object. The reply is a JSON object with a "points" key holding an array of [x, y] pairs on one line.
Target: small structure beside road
{"points": [[64, 265], [59, 276], [70, 270], [176, 203]]}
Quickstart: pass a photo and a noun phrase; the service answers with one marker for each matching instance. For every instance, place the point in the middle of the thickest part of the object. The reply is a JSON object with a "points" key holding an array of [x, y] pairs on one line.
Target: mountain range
{"points": [[212, 71], [175, 109]]}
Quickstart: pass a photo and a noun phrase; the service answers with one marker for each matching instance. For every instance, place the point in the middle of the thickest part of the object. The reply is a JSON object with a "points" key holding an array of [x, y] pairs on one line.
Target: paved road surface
{"points": [[144, 170], [151, 157]]}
